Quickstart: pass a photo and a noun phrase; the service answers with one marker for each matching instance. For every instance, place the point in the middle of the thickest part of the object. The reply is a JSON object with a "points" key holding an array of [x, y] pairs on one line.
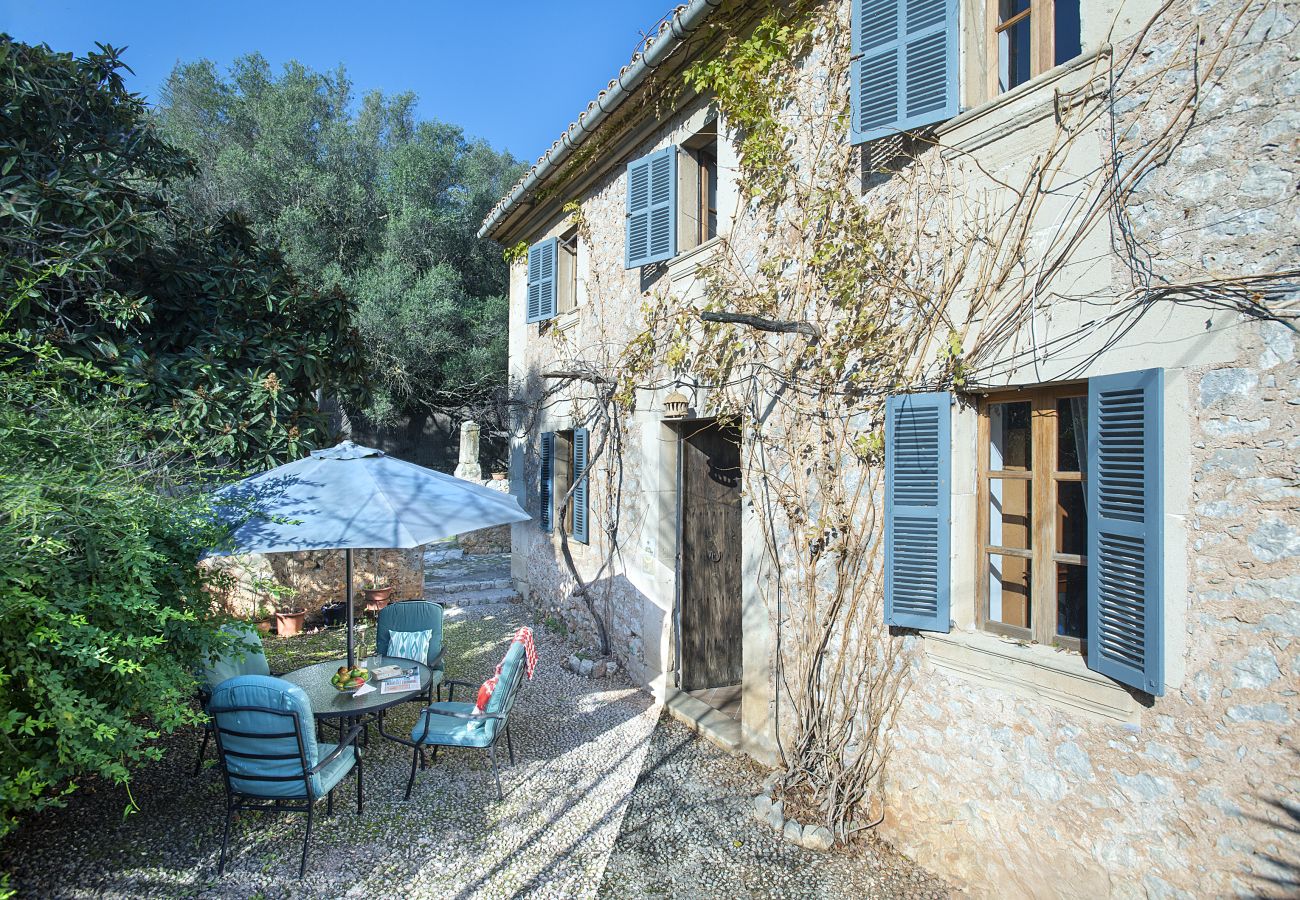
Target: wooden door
{"points": [[710, 560]]}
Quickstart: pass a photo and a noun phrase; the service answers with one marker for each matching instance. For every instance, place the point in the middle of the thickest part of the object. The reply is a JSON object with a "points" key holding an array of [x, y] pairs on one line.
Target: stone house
{"points": [[995, 381]]}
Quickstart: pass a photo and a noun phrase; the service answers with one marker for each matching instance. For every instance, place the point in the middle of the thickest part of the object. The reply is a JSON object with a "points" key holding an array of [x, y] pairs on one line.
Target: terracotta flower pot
{"points": [[265, 626], [289, 622], [377, 598], [498, 476]]}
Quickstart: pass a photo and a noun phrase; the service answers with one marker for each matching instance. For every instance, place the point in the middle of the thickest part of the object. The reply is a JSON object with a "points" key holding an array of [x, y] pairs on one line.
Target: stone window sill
{"points": [[1059, 679], [685, 264]]}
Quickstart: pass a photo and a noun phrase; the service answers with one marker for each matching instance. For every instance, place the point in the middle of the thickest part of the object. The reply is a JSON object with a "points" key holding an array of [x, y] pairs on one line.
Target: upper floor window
{"points": [[552, 276], [1032, 36], [699, 189]]}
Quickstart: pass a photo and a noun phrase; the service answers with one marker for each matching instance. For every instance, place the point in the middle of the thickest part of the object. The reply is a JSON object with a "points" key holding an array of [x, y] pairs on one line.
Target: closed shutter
{"points": [[541, 280], [904, 70], [1125, 577], [652, 208], [546, 489], [918, 462], [580, 440]]}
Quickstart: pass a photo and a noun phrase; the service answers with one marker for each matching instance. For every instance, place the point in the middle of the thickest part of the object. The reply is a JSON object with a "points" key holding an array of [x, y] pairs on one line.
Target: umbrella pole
{"points": [[347, 570]]}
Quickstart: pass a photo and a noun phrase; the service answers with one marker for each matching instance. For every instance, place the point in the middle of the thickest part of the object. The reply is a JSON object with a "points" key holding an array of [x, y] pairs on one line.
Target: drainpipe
{"points": [[680, 26]]}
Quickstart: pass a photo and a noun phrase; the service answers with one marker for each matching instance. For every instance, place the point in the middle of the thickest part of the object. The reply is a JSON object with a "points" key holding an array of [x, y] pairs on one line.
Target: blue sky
{"points": [[514, 73]]}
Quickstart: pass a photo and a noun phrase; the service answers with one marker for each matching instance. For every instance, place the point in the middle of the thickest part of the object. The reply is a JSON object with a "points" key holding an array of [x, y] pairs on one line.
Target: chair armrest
{"points": [[349, 738], [457, 681], [475, 716], [437, 660]]}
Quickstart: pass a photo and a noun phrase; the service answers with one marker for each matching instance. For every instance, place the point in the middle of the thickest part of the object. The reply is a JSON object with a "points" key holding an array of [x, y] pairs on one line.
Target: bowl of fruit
{"points": [[348, 680]]}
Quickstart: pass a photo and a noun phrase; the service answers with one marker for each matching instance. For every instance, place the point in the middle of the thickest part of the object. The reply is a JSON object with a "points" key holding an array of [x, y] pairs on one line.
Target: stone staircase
{"points": [[454, 579]]}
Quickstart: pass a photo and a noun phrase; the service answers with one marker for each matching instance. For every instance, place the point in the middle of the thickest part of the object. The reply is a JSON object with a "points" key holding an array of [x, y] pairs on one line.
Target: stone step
{"points": [[481, 598], [432, 588], [717, 728], [432, 557]]}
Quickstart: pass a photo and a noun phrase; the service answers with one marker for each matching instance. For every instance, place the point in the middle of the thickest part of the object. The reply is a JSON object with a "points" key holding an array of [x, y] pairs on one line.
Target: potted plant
{"points": [[289, 622], [334, 613], [376, 596], [499, 475]]}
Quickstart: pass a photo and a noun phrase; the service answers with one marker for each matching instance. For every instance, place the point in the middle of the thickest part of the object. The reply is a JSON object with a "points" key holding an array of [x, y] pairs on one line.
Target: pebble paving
{"points": [[606, 798]]}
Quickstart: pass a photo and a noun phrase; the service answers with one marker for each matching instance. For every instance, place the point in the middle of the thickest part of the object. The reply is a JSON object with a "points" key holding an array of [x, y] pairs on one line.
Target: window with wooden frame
{"points": [[1031, 36], [698, 189], [566, 285], [1033, 518], [563, 477]]}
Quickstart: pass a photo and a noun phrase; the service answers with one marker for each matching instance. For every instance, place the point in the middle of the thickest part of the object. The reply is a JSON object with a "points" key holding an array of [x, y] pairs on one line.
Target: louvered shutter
{"points": [[1125, 505], [541, 280], [546, 489], [918, 500], [652, 208], [580, 440], [904, 70]]}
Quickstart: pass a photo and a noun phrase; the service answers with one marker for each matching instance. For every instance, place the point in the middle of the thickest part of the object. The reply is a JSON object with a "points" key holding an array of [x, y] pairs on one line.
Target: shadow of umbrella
{"points": [[349, 498]]}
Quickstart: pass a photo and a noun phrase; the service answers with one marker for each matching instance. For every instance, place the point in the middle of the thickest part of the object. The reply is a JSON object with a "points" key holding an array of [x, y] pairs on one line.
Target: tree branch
{"points": [[762, 324]]}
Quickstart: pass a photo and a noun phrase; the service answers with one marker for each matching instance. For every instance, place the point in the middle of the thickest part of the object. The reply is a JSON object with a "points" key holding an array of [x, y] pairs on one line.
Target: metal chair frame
{"points": [[417, 754], [239, 801]]}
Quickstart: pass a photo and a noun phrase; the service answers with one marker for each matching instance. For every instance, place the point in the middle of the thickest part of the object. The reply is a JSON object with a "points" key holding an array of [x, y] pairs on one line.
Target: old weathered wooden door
{"points": [[710, 555]]}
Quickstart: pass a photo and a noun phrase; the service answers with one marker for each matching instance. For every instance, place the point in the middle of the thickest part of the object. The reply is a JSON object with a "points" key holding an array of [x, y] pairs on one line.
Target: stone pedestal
{"points": [[468, 467]]}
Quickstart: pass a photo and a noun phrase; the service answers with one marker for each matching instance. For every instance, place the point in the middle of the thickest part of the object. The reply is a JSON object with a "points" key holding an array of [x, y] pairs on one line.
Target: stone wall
{"points": [[992, 782], [315, 578]]}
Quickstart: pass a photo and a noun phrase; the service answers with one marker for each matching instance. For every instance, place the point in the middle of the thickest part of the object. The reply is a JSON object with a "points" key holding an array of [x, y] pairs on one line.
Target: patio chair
{"points": [[450, 724], [412, 629], [271, 760], [246, 659]]}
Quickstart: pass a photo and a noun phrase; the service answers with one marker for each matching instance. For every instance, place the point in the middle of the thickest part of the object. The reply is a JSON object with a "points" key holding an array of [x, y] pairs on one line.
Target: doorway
{"points": [[710, 563]]}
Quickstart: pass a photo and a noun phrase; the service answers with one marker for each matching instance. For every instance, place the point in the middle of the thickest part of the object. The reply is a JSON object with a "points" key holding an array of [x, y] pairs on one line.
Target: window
{"points": [[1032, 36], [1070, 519], [1033, 518], [566, 286], [698, 174], [564, 460]]}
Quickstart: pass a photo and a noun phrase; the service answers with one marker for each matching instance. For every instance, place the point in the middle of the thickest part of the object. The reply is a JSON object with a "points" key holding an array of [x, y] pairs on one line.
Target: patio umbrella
{"points": [[351, 497]]}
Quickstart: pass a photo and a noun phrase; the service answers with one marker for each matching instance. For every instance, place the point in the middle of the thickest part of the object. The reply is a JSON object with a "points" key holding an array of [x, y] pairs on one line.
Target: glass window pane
{"points": [[1009, 590], [1071, 518], [1009, 436], [1014, 45], [1068, 31], [1072, 434], [1072, 600], [1010, 506]]}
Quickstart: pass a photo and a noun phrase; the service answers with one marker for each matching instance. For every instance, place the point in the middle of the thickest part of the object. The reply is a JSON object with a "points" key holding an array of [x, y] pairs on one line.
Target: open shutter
{"points": [[652, 208], [547, 488], [541, 280], [904, 71], [918, 499], [580, 440], [1125, 578]]}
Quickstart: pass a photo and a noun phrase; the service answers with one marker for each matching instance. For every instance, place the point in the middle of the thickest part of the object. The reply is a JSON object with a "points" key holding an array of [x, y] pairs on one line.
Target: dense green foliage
{"points": [[140, 345], [102, 265], [363, 197], [102, 615]]}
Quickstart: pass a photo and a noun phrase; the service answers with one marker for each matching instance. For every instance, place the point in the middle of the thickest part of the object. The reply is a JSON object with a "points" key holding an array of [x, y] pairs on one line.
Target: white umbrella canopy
{"points": [[352, 497]]}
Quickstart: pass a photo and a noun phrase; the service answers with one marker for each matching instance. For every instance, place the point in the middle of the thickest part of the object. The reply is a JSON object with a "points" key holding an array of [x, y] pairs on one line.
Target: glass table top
{"points": [[327, 701]]}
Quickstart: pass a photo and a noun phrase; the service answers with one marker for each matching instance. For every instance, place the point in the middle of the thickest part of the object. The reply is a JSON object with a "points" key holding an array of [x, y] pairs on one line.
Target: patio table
{"points": [[327, 702]]}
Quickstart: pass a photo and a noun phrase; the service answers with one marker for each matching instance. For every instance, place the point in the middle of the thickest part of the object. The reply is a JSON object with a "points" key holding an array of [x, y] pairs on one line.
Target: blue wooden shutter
{"points": [[541, 280], [904, 71], [547, 488], [1125, 576], [918, 500], [652, 208], [580, 440]]}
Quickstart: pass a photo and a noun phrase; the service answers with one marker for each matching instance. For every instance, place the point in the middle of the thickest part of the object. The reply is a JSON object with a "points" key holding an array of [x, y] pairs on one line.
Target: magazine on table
{"points": [[406, 680]]}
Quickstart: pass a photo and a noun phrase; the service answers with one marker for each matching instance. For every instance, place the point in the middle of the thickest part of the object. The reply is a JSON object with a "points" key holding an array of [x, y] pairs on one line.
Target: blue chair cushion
{"points": [[277, 729], [324, 781], [410, 615], [245, 658], [446, 731], [412, 645]]}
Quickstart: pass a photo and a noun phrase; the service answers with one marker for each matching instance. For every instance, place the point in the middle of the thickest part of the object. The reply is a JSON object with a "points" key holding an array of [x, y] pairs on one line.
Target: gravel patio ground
{"points": [[606, 799]]}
